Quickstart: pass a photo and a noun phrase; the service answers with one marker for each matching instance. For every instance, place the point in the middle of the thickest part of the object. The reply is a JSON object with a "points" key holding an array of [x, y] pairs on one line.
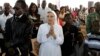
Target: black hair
{"points": [[62, 8], [23, 5], [67, 17], [36, 12]]}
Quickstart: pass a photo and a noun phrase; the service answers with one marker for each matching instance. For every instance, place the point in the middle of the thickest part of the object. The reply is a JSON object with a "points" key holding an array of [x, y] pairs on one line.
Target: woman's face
{"points": [[33, 9], [50, 17], [63, 10]]}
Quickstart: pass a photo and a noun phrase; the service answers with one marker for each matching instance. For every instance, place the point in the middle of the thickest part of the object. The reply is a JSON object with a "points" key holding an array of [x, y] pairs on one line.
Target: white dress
{"points": [[50, 46]]}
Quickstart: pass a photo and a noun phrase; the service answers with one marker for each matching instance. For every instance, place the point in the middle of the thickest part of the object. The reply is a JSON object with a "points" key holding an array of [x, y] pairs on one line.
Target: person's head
{"points": [[43, 4], [97, 7], [50, 5], [62, 9], [52, 18], [76, 9], [81, 6], [67, 8], [68, 19], [20, 7], [84, 9], [91, 10], [6, 8], [33, 8]]}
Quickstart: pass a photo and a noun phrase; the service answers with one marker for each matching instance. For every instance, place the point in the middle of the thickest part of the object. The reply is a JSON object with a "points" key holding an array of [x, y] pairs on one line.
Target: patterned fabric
{"points": [[93, 21]]}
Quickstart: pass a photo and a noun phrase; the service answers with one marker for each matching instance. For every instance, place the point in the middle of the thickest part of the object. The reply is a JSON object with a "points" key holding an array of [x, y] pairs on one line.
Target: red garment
{"points": [[74, 14], [61, 22]]}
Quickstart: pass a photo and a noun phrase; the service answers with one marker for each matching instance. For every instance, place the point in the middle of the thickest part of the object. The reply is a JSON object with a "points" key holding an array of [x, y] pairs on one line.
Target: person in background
{"points": [[94, 17], [1, 10], [3, 18], [76, 21], [81, 8], [91, 10], [35, 18], [18, 31], [93, 31], [80, 14], [62, 15], [70, 36], [67, 10], [50, 36], [50, 5], [43, 11]]}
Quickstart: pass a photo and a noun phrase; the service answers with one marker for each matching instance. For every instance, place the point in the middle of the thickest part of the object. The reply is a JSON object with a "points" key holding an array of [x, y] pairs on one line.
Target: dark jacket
{"points": [[35, 23], [18, 30], [69, 40]]}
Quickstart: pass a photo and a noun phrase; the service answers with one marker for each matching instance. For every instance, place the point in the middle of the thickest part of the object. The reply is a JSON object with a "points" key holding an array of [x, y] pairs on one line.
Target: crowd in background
{"points": [[21, 28]]}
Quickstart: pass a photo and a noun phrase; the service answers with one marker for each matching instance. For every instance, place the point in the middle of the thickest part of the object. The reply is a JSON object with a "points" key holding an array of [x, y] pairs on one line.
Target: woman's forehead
{"points": [[50, 13]]}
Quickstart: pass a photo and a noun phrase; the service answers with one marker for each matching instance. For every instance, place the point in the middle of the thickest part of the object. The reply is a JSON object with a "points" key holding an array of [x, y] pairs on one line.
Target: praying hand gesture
{"points": [[51, 32]]}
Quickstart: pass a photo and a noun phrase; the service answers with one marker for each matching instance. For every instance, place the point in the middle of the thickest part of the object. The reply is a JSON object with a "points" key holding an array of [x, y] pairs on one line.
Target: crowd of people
{"points": [[38, 30]]}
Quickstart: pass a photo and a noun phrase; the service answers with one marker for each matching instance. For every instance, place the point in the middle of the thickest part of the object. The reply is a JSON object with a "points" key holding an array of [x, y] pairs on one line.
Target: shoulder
{"points": [[92, 14], [43, 25], [11, 15], [9, 20], [58, 26], [1, 15]]}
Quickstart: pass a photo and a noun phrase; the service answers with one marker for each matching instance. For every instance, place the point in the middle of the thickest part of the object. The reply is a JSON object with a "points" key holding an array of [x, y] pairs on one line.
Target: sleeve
{"points": [[59, 37], [28, 30], [41, 37], [88, 24], [8, 29]]}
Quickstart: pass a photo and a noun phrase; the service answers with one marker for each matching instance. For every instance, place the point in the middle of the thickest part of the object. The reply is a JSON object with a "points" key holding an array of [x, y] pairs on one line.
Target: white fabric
{"points": [[50, 46], [3, 19], [93, 43], [43, 13]]}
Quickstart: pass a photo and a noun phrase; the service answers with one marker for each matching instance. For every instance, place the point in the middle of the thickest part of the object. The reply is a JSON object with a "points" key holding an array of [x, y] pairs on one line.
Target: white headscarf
{"points": [[55, 16]]}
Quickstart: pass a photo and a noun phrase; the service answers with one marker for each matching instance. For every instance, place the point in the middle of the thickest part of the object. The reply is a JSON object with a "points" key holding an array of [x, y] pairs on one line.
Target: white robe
{"points": [[50, 46]]}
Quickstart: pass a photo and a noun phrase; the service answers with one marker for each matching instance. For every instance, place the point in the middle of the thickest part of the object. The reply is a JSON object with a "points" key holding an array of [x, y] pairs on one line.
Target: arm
{"points": [[88, 24], [41, 36], [28, 30], [59, 37], [8, 29]]}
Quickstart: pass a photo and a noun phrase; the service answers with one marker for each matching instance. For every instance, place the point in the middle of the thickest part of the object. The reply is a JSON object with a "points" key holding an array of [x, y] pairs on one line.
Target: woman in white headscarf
{"points": [[50, 36]]}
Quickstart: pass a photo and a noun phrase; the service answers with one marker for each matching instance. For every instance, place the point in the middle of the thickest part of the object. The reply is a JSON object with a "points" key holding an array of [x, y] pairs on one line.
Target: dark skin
{"points": [[43, 4], [6, 9], [33, 9], [97, 6], [18, 9], [68, 21], [6, 12]]}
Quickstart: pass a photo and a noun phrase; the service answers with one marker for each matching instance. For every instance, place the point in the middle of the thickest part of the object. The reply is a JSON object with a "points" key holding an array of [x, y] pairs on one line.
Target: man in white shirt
{"points": [[6, 15], [43, 12]]}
